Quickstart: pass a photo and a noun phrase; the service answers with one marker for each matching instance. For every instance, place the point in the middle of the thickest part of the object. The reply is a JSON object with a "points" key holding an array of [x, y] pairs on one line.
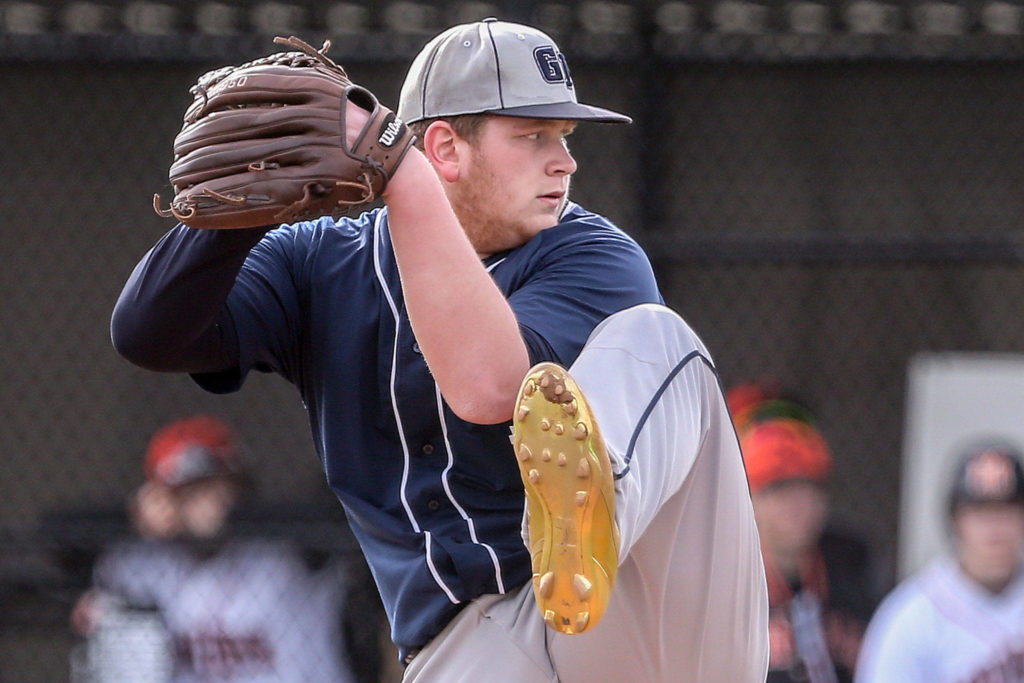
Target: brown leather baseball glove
{"points": [[265, 143]]}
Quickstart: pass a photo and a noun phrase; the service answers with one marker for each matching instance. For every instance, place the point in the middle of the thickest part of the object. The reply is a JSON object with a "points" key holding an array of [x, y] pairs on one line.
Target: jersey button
{"points": [[428, 449], [433, 505]]}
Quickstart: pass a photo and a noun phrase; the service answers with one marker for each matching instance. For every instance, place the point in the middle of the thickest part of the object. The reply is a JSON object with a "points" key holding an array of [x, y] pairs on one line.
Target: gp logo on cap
{"points": [[552, 65]]}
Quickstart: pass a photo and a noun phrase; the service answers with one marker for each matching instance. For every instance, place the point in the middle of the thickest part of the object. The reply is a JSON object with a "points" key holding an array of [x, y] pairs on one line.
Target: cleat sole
{"points": [[570, 500]]}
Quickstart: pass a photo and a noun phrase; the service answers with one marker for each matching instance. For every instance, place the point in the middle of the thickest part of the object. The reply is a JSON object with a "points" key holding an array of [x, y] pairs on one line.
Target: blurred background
{"points": [[826, 188]]}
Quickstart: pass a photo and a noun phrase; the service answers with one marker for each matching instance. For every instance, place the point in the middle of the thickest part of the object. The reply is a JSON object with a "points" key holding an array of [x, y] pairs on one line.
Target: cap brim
{"points": [[570, 111]]}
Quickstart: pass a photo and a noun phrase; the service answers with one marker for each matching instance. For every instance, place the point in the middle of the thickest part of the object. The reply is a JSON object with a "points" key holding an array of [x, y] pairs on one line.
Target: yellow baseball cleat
{"points": [[570, 494]]}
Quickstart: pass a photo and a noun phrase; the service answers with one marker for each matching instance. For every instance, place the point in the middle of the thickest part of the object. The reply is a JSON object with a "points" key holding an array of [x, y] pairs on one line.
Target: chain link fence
{"points": [[825, 189]]}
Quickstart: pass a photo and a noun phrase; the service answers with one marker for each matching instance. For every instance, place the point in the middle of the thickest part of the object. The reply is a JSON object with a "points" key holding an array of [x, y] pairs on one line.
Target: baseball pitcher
{"points": [[611, 537]]}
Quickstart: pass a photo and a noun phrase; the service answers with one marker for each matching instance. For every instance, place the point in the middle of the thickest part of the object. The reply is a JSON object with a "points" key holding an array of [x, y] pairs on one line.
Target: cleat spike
{"points": [[581, 498], [580, 432], [559, 389], [549, 618], [534, 476], [545, 380], [545, 424], [545, 455], [582, 619], [562, 459], [570, 407], [524, 411], [584, 588], [583, 468], [530, 389], [559, 428], [524, 452], [546, 585]]}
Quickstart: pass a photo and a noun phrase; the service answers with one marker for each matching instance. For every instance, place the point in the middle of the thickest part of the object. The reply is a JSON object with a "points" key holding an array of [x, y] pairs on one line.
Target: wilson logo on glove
{"points": [[390, 132]]}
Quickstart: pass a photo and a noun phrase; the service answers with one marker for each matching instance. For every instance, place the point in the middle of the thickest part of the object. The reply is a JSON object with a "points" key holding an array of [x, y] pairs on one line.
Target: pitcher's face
{"points": [[515, 182]]}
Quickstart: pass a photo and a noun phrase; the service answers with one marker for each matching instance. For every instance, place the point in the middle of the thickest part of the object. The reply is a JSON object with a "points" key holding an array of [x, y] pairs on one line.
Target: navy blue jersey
{"points": [[436, 502]]}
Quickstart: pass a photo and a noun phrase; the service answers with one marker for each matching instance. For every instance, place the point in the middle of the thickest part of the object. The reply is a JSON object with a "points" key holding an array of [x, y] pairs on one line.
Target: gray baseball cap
{"points": [[494, 67]]}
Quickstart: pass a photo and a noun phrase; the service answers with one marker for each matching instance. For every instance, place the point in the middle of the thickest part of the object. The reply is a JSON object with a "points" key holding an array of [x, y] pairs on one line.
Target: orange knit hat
{"points": [[783, 448], [777, 435]]}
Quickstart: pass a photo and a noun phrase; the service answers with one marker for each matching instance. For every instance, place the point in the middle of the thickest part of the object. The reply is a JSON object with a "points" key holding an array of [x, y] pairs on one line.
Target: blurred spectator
{"points": [[187, 601], [821, 581], [961, 618]]}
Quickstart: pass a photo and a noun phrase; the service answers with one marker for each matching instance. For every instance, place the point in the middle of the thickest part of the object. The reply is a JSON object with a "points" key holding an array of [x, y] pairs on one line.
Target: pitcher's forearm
{"points": [[462, 321]]}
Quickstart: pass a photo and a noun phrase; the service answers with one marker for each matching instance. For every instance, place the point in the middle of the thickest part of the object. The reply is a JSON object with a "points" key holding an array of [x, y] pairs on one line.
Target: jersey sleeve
{"points": [[264, 309], [171, 315], [580, 280]]}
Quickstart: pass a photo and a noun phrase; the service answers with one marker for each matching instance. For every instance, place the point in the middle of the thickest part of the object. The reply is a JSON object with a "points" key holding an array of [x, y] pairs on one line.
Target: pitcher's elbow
{"points": [[132, 344], [484, 407]]}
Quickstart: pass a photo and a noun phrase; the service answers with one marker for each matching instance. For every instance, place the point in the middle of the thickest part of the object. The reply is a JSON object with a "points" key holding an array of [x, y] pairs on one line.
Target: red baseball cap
{"points": [[192, 449]]}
